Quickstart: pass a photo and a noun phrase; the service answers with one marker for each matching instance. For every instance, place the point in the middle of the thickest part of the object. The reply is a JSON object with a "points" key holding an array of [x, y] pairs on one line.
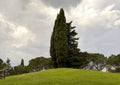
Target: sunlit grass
{"points": [[63, 76]]}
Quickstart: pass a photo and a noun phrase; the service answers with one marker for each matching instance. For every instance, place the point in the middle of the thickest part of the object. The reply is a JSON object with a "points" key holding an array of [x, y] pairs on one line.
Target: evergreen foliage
{"points": [[22, 62], [59, 41], [64, 46], [73, 50], [2, 64]]}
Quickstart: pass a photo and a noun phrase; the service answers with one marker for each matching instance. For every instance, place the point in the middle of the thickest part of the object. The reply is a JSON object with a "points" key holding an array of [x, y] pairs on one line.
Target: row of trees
{"points": [[36, 64], [92, 61]]}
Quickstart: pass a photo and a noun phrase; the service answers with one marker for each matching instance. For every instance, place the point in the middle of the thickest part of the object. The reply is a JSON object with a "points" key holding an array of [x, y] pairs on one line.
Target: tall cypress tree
{"points": [[59, 41]]}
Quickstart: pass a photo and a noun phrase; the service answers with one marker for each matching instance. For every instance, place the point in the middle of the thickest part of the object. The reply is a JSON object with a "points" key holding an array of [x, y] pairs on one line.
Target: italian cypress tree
{"points": [[22, 62], [59, 41]]}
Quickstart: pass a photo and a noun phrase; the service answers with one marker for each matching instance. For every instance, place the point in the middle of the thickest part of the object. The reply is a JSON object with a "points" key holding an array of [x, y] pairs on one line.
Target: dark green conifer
{"points": [[22, 62], [59, 41], [73, 50]]}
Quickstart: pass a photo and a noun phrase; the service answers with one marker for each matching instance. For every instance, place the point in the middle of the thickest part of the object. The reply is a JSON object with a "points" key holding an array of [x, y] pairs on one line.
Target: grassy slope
{"points": [[63, 76]]}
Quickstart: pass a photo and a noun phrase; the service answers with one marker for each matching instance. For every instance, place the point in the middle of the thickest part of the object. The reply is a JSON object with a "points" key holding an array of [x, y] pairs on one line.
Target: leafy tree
{"points": [[77, 61], [59, 41], [96, 61], [19, 70], [8, 67], [114, 60], [111, 60], [2, 64], [39, 63]]}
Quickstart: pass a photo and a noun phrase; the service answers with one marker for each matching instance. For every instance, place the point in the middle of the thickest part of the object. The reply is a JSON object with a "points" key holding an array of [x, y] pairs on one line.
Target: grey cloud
{"points": [[24, 3], [105, 3], [100, 40], [62, 3]]}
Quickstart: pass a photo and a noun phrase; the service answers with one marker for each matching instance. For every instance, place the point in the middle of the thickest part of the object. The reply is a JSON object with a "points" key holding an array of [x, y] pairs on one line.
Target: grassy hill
{"points": [[63, 76]]}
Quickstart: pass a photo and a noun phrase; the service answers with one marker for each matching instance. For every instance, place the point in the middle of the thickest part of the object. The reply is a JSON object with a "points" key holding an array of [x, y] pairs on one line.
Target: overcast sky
{"points": [[26, 26]]}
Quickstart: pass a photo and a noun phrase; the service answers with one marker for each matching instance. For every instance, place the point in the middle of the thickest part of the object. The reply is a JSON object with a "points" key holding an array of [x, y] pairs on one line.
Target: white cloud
{"points": [[117, 23], [87, 14], [98, 25], [13, 36], [20, 35]]}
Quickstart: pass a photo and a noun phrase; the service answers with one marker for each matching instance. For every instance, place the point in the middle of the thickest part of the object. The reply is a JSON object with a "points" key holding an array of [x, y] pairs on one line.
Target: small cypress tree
{"points": [[59, 41], [22, 62]]}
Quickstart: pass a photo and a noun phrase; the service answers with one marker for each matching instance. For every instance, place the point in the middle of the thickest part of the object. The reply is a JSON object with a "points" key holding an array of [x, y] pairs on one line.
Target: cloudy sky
{"points": [[26, 26]]}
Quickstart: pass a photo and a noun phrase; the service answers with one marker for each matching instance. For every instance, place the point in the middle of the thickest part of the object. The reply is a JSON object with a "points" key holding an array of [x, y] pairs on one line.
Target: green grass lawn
{"points": [[63, 76]]}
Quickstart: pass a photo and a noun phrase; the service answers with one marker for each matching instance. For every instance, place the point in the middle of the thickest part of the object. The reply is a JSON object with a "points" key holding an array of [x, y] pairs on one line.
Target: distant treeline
{"points": [[92, 61], [36, 64]]}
